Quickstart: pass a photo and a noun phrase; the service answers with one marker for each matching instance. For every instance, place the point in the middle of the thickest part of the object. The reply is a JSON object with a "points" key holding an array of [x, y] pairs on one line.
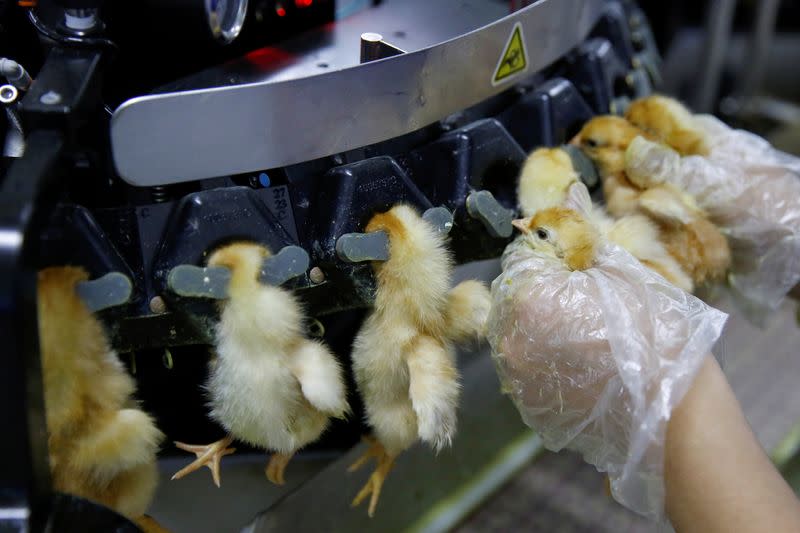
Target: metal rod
{"points": [[373, 47], [719, 20], [758, 51]]}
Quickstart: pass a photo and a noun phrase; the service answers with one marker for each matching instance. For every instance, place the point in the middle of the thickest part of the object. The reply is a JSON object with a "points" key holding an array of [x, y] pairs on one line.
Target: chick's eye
{"points": [[542, 234], [591, 143]]}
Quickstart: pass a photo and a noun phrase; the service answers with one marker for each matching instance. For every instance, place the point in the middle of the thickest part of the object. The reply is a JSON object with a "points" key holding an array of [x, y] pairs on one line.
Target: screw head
{"points": [[158, 305], [316, 275], [50, 98]]}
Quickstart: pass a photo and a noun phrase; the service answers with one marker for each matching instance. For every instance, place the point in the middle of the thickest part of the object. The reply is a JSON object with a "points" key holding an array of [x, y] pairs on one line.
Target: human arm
{"points": [[717, 476]]}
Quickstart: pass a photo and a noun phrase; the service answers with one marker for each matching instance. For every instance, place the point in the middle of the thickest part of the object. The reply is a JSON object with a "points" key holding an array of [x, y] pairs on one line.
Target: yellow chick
{"points": [[562, 233], [545, 181], [269, 386], [642, 239], [403, 356], [691, 239], [605, 139], [102, 446], [669, 121]]}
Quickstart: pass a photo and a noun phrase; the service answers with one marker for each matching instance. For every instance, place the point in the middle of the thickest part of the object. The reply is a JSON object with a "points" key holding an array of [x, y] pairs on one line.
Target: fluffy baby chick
{"points": [[403, 356], [691, 239], [669, 121], [269, 386], [102, 446], [642, 239], [545, 181], [605, 139], [562, 233]]}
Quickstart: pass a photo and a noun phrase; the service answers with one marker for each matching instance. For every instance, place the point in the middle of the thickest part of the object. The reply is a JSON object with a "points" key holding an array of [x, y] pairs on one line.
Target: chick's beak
{"points": [[522, 224]]}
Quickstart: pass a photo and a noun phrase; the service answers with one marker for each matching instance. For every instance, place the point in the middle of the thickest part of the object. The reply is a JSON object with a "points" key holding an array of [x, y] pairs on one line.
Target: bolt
{"points": [[157, 305], [629, 81], [8, 94], [317, 275], [50, 98]]}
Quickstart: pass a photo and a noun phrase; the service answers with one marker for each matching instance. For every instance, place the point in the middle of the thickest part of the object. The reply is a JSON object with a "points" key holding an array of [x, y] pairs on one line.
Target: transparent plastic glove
{"points": [[596, 360], [751, 192]]}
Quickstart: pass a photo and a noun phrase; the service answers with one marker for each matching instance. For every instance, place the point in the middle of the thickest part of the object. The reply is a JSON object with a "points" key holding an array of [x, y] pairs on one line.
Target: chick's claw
{"points": [[375, 450], [374, 484], [277, 466], [207, 455]]}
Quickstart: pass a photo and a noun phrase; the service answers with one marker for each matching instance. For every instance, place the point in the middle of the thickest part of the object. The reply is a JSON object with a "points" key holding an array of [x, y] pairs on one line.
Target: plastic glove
{"points": [[752, 192], [596, 360]]}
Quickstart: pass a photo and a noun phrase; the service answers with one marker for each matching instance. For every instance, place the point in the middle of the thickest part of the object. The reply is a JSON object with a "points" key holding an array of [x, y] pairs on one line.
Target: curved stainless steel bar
{"points": [[190, 135]]}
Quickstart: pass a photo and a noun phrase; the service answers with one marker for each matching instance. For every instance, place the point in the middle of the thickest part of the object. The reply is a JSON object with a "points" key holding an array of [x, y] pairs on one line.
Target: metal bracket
{"points": [[192, 281], [582, 165], [374, 246], [111, 290], [440, 218], [483, 206], [361, 247], [290, 262]]}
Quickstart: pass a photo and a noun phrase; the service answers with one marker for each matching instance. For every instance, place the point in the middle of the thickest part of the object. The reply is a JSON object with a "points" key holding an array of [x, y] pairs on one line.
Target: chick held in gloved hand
{"points": [[269, 386], [596, 351], [544, 182], [684, 228], [748, 188]]}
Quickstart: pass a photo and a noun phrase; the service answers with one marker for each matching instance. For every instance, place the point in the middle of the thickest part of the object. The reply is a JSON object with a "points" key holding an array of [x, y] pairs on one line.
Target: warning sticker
{"points": [[514, 59]]}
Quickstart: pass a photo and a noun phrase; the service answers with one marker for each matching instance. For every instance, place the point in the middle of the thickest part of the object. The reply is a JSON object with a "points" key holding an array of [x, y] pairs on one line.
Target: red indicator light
{"points": [[280, 10], [303, 3]]}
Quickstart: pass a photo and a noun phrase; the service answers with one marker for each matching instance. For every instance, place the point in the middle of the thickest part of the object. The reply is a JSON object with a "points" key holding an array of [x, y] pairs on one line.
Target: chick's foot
{"points": [[277, 466], [374, 484], [207, 455]]}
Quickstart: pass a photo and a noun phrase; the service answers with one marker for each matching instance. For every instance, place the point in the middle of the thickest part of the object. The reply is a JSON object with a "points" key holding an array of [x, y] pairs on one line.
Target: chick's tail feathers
{"points": [[434, 390], [120, 441], [466, 311]]}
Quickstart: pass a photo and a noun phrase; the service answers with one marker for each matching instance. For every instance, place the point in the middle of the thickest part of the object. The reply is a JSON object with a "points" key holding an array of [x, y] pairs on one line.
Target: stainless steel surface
{"points": [[719, 21], [174, 137]]}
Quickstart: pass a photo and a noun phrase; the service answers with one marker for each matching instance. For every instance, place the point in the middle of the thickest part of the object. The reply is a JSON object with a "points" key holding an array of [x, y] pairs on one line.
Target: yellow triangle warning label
{"points": [[514, 59]]}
